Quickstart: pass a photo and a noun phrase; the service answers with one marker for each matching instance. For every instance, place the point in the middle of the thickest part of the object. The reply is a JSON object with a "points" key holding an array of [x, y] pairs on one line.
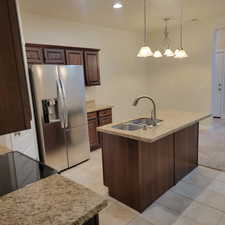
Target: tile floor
{"points": [[199, 199], [212, 143]]}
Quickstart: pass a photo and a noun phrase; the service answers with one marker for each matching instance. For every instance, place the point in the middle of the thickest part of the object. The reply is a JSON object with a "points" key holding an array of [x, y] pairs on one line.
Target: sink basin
{"points": [[127, 126], [144, 121]]}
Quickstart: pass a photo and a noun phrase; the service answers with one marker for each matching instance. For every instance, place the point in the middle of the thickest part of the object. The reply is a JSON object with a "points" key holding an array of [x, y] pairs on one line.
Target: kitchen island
{"points": [[140, 165]]}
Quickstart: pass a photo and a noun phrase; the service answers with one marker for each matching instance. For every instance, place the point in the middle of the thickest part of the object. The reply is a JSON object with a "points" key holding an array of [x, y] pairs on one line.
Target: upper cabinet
{"points": [[54, 56], [92, 68], [51, 54], [15, 113], [74, 57], [34, 55]]}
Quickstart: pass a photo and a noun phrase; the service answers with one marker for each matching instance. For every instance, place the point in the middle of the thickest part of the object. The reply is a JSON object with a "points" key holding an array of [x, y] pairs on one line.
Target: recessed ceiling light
{"points": [[117, 5]]}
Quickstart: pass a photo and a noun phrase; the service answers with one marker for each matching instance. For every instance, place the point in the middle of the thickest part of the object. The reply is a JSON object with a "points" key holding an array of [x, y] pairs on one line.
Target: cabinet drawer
{"points": [[106, 112], [105, 120], [54, 56], [92, 115]]}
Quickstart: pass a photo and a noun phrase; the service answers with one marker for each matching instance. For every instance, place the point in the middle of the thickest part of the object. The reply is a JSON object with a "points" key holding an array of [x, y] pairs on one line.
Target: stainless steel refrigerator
{"points": [[61, 118]]}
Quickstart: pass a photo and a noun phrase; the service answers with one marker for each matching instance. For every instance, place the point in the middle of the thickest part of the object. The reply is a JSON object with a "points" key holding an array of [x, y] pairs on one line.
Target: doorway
{"points": [[218, 75]]}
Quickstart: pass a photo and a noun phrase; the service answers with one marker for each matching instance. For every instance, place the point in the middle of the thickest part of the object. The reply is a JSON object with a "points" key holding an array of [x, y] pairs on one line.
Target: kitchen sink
{"points": [[145, 121], [127, 126]]}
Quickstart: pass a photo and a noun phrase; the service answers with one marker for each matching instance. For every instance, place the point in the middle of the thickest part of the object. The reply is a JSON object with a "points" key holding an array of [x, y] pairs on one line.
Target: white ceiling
{"points": [[130, 17]]}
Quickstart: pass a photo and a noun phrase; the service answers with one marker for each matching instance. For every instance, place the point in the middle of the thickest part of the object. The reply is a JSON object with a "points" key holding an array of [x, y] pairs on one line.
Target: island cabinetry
{"points": [[135, 172], [138, 172], [186, 151]]}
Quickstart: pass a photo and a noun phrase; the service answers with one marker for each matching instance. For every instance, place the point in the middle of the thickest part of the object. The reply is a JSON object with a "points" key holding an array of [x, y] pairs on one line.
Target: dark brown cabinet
{"points": [[74, 57], [15, 114], [186, 151], [96, 119], [52, 54], [92, 126], [34, 55], [92, 68]]}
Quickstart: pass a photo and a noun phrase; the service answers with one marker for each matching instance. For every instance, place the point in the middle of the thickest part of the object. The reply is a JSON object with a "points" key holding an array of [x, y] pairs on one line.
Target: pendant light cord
{"points": [[181, 24], [145, 24]]}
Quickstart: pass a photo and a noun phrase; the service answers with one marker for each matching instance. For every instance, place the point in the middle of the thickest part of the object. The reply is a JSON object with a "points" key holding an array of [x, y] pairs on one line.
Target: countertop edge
{"points": [[108, 130], [97, 108]]}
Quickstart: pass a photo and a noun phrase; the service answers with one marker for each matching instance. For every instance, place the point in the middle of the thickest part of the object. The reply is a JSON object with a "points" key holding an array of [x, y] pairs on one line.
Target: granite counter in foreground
{"points": [[54, 200], [173, 121]]}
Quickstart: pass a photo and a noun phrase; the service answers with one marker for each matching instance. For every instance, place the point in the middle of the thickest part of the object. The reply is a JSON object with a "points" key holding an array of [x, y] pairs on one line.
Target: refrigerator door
{"points": [[49, 113], [72, 80], [78, 145]]}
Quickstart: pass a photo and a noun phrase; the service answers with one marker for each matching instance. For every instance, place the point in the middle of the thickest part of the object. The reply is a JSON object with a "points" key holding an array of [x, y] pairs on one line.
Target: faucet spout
{"points": [[153, 115]]}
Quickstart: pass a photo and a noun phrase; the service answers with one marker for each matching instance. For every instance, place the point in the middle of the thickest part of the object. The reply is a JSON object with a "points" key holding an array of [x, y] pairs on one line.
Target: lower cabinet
{"points": [[96, 119], [137, 173], [186, 151], [92, 129]]}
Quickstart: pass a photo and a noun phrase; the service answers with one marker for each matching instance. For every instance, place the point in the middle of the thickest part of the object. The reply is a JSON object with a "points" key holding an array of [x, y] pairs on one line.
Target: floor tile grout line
{"points": [[200, 202]]}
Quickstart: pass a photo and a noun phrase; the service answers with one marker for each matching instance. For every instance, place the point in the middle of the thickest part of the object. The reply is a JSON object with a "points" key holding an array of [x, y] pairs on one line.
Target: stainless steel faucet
{"points": [[153, 114]]}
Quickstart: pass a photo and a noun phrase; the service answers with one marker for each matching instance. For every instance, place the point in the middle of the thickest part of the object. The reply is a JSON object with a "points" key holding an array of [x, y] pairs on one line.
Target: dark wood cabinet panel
{"points": [[74, 57], [137, 173], [92, 73], [92, 129], [15, 114], [186, 151], [96, 119], [54, 56], [157, 169], [34, 55]]}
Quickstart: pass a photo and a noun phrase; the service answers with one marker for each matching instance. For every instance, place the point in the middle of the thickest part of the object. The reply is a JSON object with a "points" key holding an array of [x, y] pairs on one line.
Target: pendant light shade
{"points": [[168, 52], [145, 50], [180, 52], [157, 54]]}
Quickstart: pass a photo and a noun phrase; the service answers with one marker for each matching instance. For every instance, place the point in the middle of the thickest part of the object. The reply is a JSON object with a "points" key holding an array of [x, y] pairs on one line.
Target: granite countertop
{"points": [[53, 200], [94, 108], [172, 121]]}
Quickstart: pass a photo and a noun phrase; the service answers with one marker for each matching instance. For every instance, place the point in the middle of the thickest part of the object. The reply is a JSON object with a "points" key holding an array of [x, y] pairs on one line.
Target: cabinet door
{"points": [[74, 57], [92, 68], [34, 55], [15, 114], [92, 129], [54, 56], [186, 151]]}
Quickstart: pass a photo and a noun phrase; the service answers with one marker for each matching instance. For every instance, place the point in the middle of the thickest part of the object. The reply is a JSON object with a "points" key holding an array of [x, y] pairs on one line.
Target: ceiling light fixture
{"points": [[157, 54], [117, 5], [180, 52], [168, 52], [145, 50]]}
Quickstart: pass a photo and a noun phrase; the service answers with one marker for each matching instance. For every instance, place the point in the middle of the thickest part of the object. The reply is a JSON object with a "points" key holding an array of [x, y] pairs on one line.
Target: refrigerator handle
{"points": [[61, 105], [64, 103]]}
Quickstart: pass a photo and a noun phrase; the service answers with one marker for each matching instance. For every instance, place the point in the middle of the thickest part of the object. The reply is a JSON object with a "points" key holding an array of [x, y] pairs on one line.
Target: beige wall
{"points": [[185, 84], [123, 75]]}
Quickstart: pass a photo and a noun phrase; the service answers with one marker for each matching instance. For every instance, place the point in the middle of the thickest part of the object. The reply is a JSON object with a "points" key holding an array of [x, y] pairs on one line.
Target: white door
{"points": [[218, 98]]}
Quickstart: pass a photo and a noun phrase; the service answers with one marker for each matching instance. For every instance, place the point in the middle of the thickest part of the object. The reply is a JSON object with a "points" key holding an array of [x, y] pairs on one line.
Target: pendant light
{"points": [[145, 50], [168, 52], [180, 52], [117, 4]]}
